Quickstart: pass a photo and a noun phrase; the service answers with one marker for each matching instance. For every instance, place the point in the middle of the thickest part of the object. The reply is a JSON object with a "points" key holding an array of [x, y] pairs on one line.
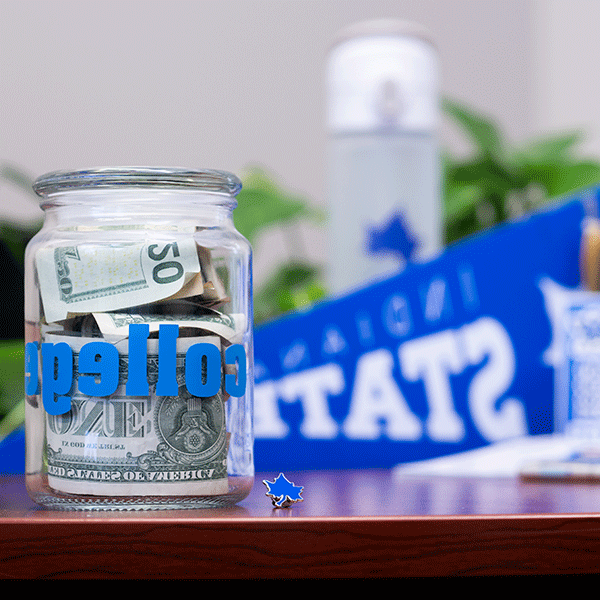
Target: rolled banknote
{"points": [[229, 327], [214, 290], [124, 445], [96, 277]]}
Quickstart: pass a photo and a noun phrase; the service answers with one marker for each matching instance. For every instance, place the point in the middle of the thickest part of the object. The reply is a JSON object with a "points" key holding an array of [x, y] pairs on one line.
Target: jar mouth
{"points": [[206, 180]]}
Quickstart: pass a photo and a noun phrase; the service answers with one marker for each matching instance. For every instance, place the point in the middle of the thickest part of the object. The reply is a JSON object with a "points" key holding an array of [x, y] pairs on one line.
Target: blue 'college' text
{"points": [[99, 369]]}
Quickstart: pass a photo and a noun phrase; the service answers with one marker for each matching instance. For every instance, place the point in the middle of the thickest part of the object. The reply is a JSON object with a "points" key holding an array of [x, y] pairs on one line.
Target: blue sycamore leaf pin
{"points": [[283, 493]]}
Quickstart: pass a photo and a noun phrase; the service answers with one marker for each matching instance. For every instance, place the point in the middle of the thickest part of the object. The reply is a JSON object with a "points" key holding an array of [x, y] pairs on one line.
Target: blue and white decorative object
{"points": [[383, 166], [283, 493], [577, 408], [448, 356]]}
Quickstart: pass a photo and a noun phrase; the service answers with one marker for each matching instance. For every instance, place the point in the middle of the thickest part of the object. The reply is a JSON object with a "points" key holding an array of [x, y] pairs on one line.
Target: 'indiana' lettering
{"points": [[98, 374]]}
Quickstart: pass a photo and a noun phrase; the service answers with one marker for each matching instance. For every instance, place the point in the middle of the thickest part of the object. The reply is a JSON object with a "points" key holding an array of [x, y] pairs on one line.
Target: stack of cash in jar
{"points": [[130, 445]]}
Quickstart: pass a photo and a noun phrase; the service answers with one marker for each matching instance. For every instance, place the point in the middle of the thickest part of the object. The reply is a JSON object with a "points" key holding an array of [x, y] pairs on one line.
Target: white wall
{"points": [[223, 84], [566, 68]]}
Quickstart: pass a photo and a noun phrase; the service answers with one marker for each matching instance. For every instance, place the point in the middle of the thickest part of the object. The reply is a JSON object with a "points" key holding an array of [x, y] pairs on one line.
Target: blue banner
{"points": [[447, 356]]}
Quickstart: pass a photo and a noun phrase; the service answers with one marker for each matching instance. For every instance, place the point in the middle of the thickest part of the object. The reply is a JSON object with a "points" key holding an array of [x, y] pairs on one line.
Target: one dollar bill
{"points": [[139, 446]]}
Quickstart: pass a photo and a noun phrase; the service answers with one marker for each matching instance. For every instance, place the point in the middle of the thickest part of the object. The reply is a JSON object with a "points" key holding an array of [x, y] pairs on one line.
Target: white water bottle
{"points": [[383, 165]]}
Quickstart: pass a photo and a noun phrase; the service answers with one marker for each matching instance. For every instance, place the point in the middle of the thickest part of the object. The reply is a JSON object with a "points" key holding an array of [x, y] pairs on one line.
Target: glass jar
{"points": [[138, 342]]}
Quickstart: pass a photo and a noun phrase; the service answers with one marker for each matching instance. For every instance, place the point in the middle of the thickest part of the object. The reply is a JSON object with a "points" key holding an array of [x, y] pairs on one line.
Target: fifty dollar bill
{"points": [[89, 278]]}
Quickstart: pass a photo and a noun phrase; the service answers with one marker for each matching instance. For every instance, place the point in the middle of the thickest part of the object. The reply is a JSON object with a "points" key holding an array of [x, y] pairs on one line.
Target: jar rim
{"points": [[208, 180]]}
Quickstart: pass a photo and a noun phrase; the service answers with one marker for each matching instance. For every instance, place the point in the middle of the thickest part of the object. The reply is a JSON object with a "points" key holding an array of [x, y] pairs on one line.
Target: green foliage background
{"points": [[296, 282], [497, 183], [501, 181]]}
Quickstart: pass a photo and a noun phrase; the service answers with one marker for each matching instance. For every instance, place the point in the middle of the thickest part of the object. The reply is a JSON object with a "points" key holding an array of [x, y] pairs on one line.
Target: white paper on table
{"points": [[502, 459]]}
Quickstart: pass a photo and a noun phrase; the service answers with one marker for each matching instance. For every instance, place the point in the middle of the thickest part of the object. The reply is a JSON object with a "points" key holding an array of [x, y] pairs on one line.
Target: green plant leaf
{"points": [[500, 178], [16, 238], [562, 179], [299, 297], [12, 384], [547, 150], [485, 173], [459, 200], [263, 204], [457, 229], [292, 285], [14, 419], [17, 177], [482, 130]]}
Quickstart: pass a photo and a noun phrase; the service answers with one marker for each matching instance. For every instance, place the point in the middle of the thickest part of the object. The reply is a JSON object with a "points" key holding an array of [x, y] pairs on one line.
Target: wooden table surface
{"points": [[350, 524]]}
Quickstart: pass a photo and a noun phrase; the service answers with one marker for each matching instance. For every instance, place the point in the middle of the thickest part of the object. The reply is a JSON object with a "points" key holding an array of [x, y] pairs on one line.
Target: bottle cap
{"points": [[382, 75]]}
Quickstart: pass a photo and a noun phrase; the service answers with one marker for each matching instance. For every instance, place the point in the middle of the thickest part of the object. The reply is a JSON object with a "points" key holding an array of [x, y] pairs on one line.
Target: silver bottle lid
{"points": [[382, 74]]}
